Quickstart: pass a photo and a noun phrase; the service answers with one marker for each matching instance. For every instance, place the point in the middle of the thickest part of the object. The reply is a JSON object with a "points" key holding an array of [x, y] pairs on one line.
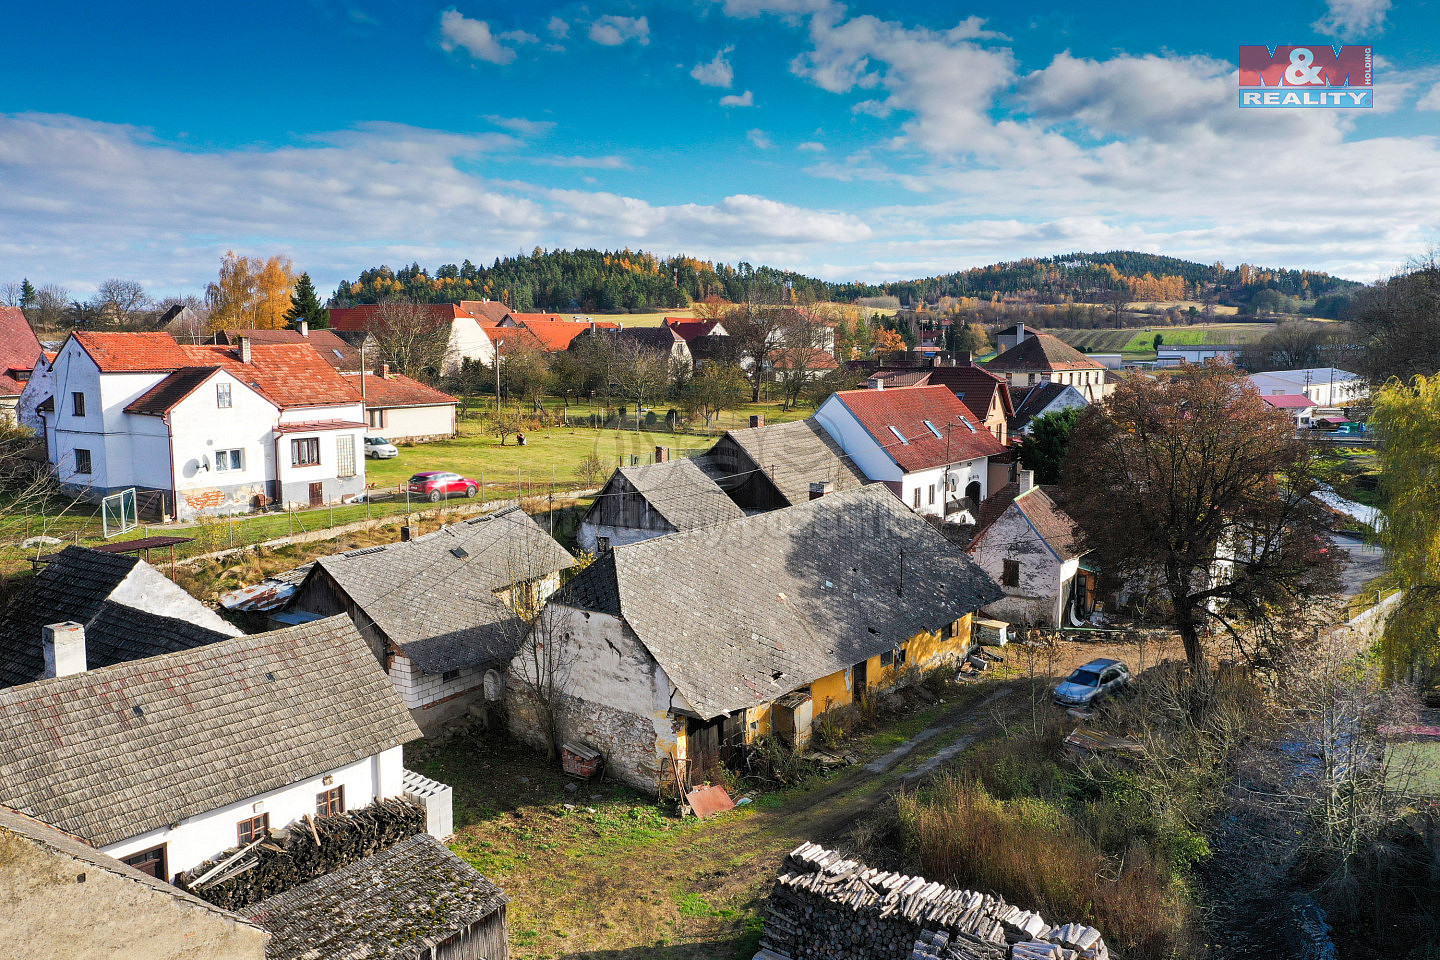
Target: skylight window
{"points": [[968, 424], [899, 436], [933, 429]]}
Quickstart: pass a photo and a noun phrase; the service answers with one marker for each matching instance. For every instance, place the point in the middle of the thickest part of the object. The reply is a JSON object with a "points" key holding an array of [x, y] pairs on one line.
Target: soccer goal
{"points": [[117, 513]]}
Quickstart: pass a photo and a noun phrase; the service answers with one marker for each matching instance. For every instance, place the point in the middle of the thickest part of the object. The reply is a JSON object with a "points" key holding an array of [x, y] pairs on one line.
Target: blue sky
{"points": [[847, 140]]}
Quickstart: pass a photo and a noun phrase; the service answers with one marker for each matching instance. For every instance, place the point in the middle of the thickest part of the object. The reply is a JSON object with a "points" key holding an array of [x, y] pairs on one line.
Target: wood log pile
{"points": [[826, 907], [308, 848]]}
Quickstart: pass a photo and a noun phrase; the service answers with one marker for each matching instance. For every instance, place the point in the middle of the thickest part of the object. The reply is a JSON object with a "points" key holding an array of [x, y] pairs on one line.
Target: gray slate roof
{"points": [[439, 606], [75, 586], [111, 753], [801, 592], [398, 903], [794, 455], [681, 493]]}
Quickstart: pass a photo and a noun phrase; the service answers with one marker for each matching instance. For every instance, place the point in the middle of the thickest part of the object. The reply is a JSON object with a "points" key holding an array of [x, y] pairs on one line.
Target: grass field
{"points": [[1151, 305], [1141, 339]]}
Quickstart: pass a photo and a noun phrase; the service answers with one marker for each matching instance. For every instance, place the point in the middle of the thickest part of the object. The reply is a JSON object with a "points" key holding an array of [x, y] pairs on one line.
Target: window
{"points": [[450, 676], [887, 658], [226, 460], [932, 494], [345, 455], [602, 544], [222, 396], [917, 496], [82, 460], [330, 802], [377, 419], [899, 436], [1010, 577], [305, 452], [933, 429], [150, 861], [248, 831], [77, 404]]}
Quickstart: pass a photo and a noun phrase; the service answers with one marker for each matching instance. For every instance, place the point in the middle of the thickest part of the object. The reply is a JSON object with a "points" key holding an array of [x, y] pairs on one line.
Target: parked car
{"points": [[1092, 681], [436, 485], [378, 448]]}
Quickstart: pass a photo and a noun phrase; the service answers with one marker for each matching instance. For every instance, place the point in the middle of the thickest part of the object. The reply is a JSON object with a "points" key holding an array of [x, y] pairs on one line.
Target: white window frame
{"points": [[227, 458], [224, 399]]}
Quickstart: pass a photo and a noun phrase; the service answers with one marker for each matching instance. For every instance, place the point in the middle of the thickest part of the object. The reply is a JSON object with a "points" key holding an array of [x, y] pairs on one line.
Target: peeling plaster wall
{"points": [[618, 699], [1035, 600]]}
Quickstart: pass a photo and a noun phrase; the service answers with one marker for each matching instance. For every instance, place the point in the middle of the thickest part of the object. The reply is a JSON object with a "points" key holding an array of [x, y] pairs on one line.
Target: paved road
{"points": [[1366, 562]]}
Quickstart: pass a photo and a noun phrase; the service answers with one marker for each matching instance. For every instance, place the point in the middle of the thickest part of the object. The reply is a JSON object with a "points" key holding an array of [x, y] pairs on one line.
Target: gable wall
{"points": [[1036, 600]]}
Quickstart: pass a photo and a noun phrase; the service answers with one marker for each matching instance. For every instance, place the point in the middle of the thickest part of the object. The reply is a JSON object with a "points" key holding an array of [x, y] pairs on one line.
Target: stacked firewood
{"points": [[310, 847], [826, 907]]}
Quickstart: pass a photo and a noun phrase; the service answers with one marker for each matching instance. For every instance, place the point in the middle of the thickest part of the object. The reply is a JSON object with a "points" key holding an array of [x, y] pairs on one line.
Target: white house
{"points": [[921, 442], [467, 340], [439, 611], [169, 761], [1041, 358], [1327, 386], [203, 429], [1173, 356], [1039, 400], [1297, 405], [1032, 549], [400, 408]]}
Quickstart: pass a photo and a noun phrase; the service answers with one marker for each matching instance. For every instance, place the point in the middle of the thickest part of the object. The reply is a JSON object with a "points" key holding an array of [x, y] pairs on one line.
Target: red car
{"points": [[436, 485]]}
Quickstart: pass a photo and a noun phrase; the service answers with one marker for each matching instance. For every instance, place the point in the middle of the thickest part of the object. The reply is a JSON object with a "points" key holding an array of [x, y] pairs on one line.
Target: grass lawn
{"points": [[1140, 340]]}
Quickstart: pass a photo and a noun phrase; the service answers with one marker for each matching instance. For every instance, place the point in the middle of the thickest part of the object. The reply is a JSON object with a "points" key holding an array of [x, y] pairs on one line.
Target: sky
{"points": [[846, 140]]}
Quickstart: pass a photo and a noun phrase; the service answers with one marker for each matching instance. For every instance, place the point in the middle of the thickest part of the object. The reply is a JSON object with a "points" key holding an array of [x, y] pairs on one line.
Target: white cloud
{"points": [[612, 30], [520, 126], [760, 139], [608, 162], [1430, 100], [87, 200], [558, 28], [746, 99], [519, 36], [716, 72], [812, 146], [1348, 18], [458, 30], [785, 8]]}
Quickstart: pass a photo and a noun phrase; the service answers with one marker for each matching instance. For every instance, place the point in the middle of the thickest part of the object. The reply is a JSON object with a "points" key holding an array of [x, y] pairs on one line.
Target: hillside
{"points": [[602, 281]]}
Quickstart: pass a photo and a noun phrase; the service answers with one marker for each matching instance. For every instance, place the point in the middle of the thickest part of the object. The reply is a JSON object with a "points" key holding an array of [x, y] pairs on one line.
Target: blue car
{"points": [[1092, 681]]}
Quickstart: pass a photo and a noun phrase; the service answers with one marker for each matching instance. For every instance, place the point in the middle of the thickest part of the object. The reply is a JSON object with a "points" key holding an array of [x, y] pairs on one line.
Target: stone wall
{"points": [[625, 740]]}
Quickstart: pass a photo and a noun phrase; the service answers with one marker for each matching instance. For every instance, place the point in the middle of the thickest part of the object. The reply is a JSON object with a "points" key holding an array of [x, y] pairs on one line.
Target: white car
{"points": [[378, 448]]}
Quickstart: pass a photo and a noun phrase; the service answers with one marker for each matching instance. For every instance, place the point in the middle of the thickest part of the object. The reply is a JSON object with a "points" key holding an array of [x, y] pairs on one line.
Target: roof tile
{"points": [[907, 410]]}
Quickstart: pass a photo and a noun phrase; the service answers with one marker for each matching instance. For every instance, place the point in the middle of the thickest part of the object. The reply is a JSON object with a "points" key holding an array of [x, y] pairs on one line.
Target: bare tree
{"points": [[640, 373], [52, 306], [122, 300], [411, 338], [757, 330], [11, 294]]}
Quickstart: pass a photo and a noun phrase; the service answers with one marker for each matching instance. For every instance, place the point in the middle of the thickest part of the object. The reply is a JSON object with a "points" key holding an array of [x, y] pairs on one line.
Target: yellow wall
{"points": [[832, 691], [922, 651]]}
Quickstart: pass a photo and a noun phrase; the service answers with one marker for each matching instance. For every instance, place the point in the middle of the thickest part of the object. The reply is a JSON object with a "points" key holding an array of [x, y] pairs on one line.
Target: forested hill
{"points": [[602, 281]]}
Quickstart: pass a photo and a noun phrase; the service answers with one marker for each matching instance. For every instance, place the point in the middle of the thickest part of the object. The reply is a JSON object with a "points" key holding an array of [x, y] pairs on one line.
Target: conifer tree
{"points": [[305, 305], [28, 295]]}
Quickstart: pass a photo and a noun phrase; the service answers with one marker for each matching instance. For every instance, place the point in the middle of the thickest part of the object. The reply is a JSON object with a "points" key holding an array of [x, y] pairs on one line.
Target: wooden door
{"points": [[317, 494]]}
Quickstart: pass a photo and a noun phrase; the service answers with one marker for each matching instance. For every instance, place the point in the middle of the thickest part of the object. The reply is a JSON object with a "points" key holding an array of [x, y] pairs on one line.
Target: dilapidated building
{"points": [[655, 499], [684, 646]]}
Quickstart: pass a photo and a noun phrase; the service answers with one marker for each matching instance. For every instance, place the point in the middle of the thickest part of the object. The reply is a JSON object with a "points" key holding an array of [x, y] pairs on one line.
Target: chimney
{"points": [[821, 488], [384, 371], [757, 419], [1020, 333], [243, 345], [304, 328], [1027, 480], [592, 326], [662, 454], [64, 645]]}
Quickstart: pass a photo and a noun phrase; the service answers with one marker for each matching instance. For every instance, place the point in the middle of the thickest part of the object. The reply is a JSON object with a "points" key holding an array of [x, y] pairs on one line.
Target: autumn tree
{"points": [[1407, 421], [1192, 483], [250, 293], [887, 341], [1043, 449], [525, 373], [305, 305], [410, 338], [1399, 322], [713, 390], [802, 349]]}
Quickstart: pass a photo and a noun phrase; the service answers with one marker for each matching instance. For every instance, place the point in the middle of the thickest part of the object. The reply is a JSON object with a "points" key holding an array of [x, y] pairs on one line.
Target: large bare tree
{"points": [[1193, 483], [410, 338]]}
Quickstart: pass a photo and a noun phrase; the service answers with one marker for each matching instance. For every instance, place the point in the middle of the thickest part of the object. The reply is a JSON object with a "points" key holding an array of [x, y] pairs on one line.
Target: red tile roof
{"points": [[906, 409], [690, 329], [1289, 401], [544, 318], [19, 349], [288, 375], [133, 352], [398, 390], [162, 398], [334, 350], [486, 310], [1043, 352], [1054, 525], [557, 334], [363, 316], [507, 338], [975, 386]]}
